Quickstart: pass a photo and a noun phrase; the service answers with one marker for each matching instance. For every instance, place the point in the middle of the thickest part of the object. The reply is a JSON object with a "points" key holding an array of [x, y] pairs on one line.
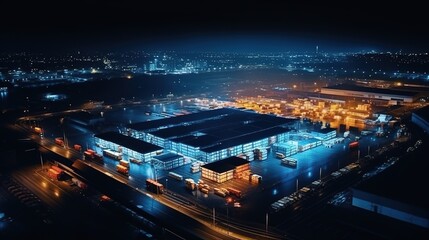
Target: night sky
{"points": [[219, 25]]}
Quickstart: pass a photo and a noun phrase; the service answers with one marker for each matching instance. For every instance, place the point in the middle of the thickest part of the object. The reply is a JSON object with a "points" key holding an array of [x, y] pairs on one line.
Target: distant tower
{"points": [[317, 49]]}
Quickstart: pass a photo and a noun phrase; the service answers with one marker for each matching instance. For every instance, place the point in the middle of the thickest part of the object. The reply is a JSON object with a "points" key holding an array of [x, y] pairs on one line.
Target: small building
{"points": [[85, 118], [388, 194], [308, 143], [288, 148], [226, 169], [324, 133], [373, 94], [134, 148], [168, 161], [421, 118]]}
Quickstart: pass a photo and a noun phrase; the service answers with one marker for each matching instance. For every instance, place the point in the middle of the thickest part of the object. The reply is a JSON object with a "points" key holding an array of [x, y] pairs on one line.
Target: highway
{"points": [[68, 211]]}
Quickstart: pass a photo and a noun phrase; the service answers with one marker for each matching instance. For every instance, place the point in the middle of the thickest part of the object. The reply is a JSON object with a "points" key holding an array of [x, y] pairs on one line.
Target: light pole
{"points": [[320, 174], [266, 222], [297, 184], [228, 200], [227, 219], [41, 161], [166, 184], [214, 217]]}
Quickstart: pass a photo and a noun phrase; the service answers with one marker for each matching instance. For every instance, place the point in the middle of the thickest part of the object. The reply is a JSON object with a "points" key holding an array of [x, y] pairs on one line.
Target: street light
{"points": [[228, 200], [166, 184]]}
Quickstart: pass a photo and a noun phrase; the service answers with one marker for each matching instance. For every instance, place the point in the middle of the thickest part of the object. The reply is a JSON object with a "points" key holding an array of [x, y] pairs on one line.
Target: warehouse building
{"points": [[388, 193], [421, 118], [324, 134], [348, 90], [226, 169], [168, 161], [130, 146], [216, 134]]}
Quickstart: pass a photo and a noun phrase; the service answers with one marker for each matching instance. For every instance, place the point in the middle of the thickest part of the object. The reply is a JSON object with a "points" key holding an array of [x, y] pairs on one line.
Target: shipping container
{"points": [[204, 190], [124, 163], [122, 169], [354, 145], [219, 192], [58, 169], [59, 141], [90, 151], [153, 186], [190, 184], [136, 161], [290, 162], [79, 183], [175, 176], [38, 130], [112, 154], [234, 192], [97, 157], [53, 174]]}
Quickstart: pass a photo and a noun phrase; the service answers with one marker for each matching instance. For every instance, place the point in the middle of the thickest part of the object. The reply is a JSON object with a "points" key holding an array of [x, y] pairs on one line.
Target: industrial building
{"points": [[168, 161], [421, 118], [130, 146], [348, 90], [226, 169], [85, 118], [324, 134], [389, 193], [215, 134]]}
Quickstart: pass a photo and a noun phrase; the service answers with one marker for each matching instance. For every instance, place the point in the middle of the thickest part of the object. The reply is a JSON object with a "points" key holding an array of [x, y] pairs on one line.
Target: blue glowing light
{"points": [[274, 191]]}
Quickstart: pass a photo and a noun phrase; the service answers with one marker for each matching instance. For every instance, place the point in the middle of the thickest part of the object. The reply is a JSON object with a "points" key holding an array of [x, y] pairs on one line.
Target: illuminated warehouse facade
{"points": [[347, 90], [224, 170], [215, 134], [134, 148]]}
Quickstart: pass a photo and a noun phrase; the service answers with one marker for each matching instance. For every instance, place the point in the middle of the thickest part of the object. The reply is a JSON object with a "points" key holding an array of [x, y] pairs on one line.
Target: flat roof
{"points": [[167, 157], [225, 165], [227, 128], [405, 181], [423, 113], [350, 87], [244, 139], [128, 142], [308, 141], [324, 130], [154, 124]]}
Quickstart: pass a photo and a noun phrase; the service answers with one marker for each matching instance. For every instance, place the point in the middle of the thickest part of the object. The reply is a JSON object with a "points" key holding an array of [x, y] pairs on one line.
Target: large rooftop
{"points": [[404, 182], [128, 142], [226, 164], [423, 113], [218, 129], [350, 87]]}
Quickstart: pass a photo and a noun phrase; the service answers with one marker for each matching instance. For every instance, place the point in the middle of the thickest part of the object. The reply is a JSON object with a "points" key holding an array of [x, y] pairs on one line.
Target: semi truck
{"points": [[77, 147], [122, 169], [234, 192], [112, 154], [354, 145], [190, 184], [154, 186], [125, 163], [79, 183], [53, 174], [92, 155], [59, 141]]}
